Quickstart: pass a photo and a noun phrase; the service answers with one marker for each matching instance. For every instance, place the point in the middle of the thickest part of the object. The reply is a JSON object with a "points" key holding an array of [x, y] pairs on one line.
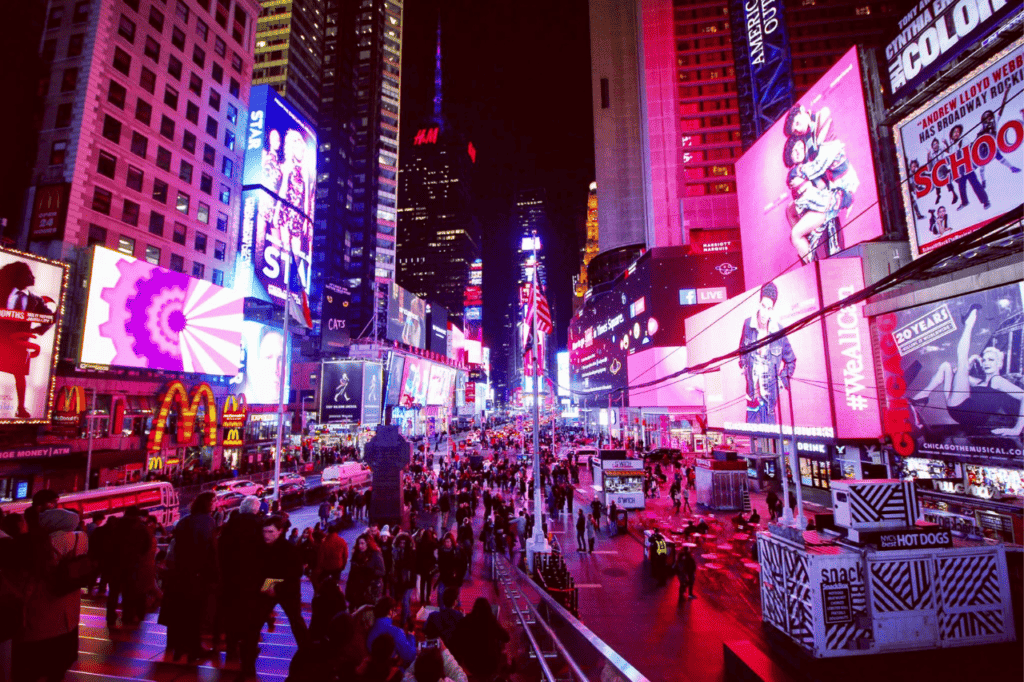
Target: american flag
{"points": [[537, 303]]}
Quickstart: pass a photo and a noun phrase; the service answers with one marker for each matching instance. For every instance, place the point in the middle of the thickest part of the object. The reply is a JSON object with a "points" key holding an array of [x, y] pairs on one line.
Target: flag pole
{"points": [[281, 375], [540, 544]]}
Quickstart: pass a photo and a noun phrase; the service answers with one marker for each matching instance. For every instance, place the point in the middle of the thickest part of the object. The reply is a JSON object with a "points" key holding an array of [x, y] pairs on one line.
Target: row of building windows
{"points": [[152, 254]]}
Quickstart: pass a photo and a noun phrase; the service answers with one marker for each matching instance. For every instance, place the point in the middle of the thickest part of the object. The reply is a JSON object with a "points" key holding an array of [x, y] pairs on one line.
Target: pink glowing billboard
{"points": [[750, 393], [416, 382], [807, 187], [140, 315], [653, 364]]}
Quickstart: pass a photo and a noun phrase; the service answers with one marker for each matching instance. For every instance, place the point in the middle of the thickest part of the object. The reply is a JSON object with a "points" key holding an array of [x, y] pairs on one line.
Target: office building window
{"points": [[211, 127], [143, 111], [126, 245], [81, 14], [179, 234], [202, 30], [233, 87], [218, 277], [148, 80], [55, 18], [111, 128], [188, 142], [185, 171], [58, 151], [181, 11], [217, 73], [177, 263], [192, 112], [126, 29], [229, 139], [97, 235], [178, 38], [222, 222], [195, 84], [209, 154], [63, 119], [171, 97], [227, 166], [215, 99], [203, 213], [182, 203], [101, 199], [156, 224], [200, 242], [198, 270], [135, 178], [156, 19], [160, 190], [152, 49], [140, 144], [117, 94], [163, 158], [206, 184], [152, 254], [76, 44], [69, 81], [199, 56], [107, 164], [122, 61], [219, 46], [225, 194], [130, 213], [220, 250], [232, 114], [167, 127]]}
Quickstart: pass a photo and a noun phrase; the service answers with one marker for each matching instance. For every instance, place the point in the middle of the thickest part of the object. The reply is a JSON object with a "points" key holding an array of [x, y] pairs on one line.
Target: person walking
{"points": [[366, 575], [581, 532], [772, 500], [686, 569], [403, 564], [332, 558], [686, 500], [451, 564], [591, 532], [240, 549], [282, 576], [426, 563]]}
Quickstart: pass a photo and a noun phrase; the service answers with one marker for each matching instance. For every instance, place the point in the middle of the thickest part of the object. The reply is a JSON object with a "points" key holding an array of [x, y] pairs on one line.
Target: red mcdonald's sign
{"points": [[69, 406], [233, 420], [188, 407]]}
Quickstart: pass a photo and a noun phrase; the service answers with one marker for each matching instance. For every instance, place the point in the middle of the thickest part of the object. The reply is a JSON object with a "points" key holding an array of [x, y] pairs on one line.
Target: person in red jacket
{"points": [[332, 558]]}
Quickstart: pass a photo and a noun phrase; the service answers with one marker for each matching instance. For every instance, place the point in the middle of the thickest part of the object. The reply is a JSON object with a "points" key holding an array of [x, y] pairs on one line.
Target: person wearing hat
{"points": [[768, 368], [49, 644]]}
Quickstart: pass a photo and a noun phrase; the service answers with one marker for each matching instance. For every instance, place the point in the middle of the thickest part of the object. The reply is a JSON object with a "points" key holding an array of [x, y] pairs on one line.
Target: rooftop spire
{"points": [[437, 71]]}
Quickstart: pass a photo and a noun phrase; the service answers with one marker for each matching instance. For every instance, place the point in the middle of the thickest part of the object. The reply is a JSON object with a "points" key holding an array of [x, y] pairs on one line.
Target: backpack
{"points": [[72, 572]]}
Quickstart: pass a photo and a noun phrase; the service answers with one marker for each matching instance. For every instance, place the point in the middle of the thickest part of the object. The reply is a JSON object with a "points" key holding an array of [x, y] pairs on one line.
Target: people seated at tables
{"points": [[755, 518], [740, 519], [702, 527], [690, 528]]}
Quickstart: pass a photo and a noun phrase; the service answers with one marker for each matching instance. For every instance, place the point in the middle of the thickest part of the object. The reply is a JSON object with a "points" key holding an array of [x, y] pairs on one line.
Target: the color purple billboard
{"points": [[31, 301], [807, 188], [279, 179], [961, 154], [954, 377], [749, 394], [141, 315]]}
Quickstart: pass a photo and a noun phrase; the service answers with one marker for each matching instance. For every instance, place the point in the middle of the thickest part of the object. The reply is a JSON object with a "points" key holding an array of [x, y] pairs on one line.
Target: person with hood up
{"points": [[49, 642]]}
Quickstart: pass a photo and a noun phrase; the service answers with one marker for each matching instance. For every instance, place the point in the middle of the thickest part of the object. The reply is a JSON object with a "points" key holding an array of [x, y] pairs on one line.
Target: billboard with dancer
{"points": [[954, 377]]}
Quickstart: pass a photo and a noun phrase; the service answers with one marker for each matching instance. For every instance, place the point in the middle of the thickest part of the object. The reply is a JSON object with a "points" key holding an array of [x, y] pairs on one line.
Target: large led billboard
{"points": [[373, 392], [259, 373], [407, 317], [961, 155], [341, 392], [396, 379], [953, 377], [279, 178], [438, 341], [417, 379], [333, 319], [31, 301], [140, 315], [807, 188]]}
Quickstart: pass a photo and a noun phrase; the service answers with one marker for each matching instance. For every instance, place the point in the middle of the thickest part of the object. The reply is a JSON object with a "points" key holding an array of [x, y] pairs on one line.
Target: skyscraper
{"points": [[530, 216], [590, 247], [438, 234], [289, 51], [142, 135], [358, 179]]}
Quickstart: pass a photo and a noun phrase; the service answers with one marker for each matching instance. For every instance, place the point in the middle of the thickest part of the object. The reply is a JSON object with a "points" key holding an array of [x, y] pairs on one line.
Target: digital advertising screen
{"points": [[417, 379], [953, 377], [657, 363], [396, 378], [435, 385], [438, 330], [341, 392], [333, 318], [259, 372], [372, 393], [407, 317], [31, 301], [807, 187], [140, 315], [749, 393], [457, 346], [961, 155], [261, 259], [563, 374]]}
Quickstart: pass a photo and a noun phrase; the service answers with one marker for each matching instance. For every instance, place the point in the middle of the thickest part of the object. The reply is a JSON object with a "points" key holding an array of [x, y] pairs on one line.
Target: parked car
{"points": [[228, 500], [291, 478], [245, 487], [290, 493], [664, 455]]}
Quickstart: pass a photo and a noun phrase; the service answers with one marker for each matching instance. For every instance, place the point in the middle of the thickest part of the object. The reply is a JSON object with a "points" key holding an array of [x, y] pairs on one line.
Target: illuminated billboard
{"points": [[341, 392], [140, 315], [750, 393], [953, 371], [279, 178], [396, 377], [438, 342], [407, 317], [31, 302], [333, 331], [961, 156], [259, 374], [440, 384], [417, 379], [807, 188], [373, 392]]}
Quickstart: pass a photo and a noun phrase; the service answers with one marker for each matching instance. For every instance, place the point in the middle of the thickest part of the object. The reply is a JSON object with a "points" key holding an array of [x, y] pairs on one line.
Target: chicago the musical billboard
{"points": [[140, 315], [31, 302]]}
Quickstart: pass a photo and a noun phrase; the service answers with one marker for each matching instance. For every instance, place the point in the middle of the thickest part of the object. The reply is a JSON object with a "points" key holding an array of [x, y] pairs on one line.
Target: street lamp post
{"points": [[90, 424], [539, 543]]}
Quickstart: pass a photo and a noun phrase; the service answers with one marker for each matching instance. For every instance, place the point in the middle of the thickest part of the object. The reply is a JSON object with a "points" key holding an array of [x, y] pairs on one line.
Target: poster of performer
{"points": [[749, 393], [962, 363], [807, 187], [31, 296], [280, 157], [961, 155]]}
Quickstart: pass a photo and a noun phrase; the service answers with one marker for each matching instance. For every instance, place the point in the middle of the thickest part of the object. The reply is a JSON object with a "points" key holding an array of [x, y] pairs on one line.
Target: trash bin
{"points": [[621, 519]]}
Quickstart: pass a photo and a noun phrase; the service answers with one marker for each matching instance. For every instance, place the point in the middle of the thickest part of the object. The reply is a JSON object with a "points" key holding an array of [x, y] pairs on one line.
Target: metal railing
{"points": [[575, 651]]}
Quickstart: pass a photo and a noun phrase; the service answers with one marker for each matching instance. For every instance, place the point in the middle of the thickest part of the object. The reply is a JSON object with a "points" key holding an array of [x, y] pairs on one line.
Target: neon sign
{"points": [[427, 136], [472, 152], [69, 406], [188, 408], [233, 420]]}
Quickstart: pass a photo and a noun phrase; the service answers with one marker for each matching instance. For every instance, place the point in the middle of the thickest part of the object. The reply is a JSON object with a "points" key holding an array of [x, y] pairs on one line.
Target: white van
{"points": [[347, 475]]}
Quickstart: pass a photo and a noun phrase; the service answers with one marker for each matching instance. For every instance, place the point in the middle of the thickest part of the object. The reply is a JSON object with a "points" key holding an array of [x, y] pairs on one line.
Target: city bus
{"points": [[159, 498]]}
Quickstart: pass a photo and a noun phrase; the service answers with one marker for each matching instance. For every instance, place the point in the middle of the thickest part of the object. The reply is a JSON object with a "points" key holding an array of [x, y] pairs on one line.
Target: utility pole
{"points": [[282, 376], [539, 543], [90, 423]]}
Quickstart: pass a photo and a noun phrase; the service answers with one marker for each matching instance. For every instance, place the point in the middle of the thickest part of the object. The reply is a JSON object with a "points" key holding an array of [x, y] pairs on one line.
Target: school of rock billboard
{"points": [[961, 155], [279, 178], [749, 394], [954, 372], [807, 188], [31, 302]]}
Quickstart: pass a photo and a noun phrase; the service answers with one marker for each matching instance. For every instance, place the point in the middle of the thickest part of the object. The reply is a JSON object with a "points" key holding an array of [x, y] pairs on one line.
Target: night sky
{"points": [[517, 83]]}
